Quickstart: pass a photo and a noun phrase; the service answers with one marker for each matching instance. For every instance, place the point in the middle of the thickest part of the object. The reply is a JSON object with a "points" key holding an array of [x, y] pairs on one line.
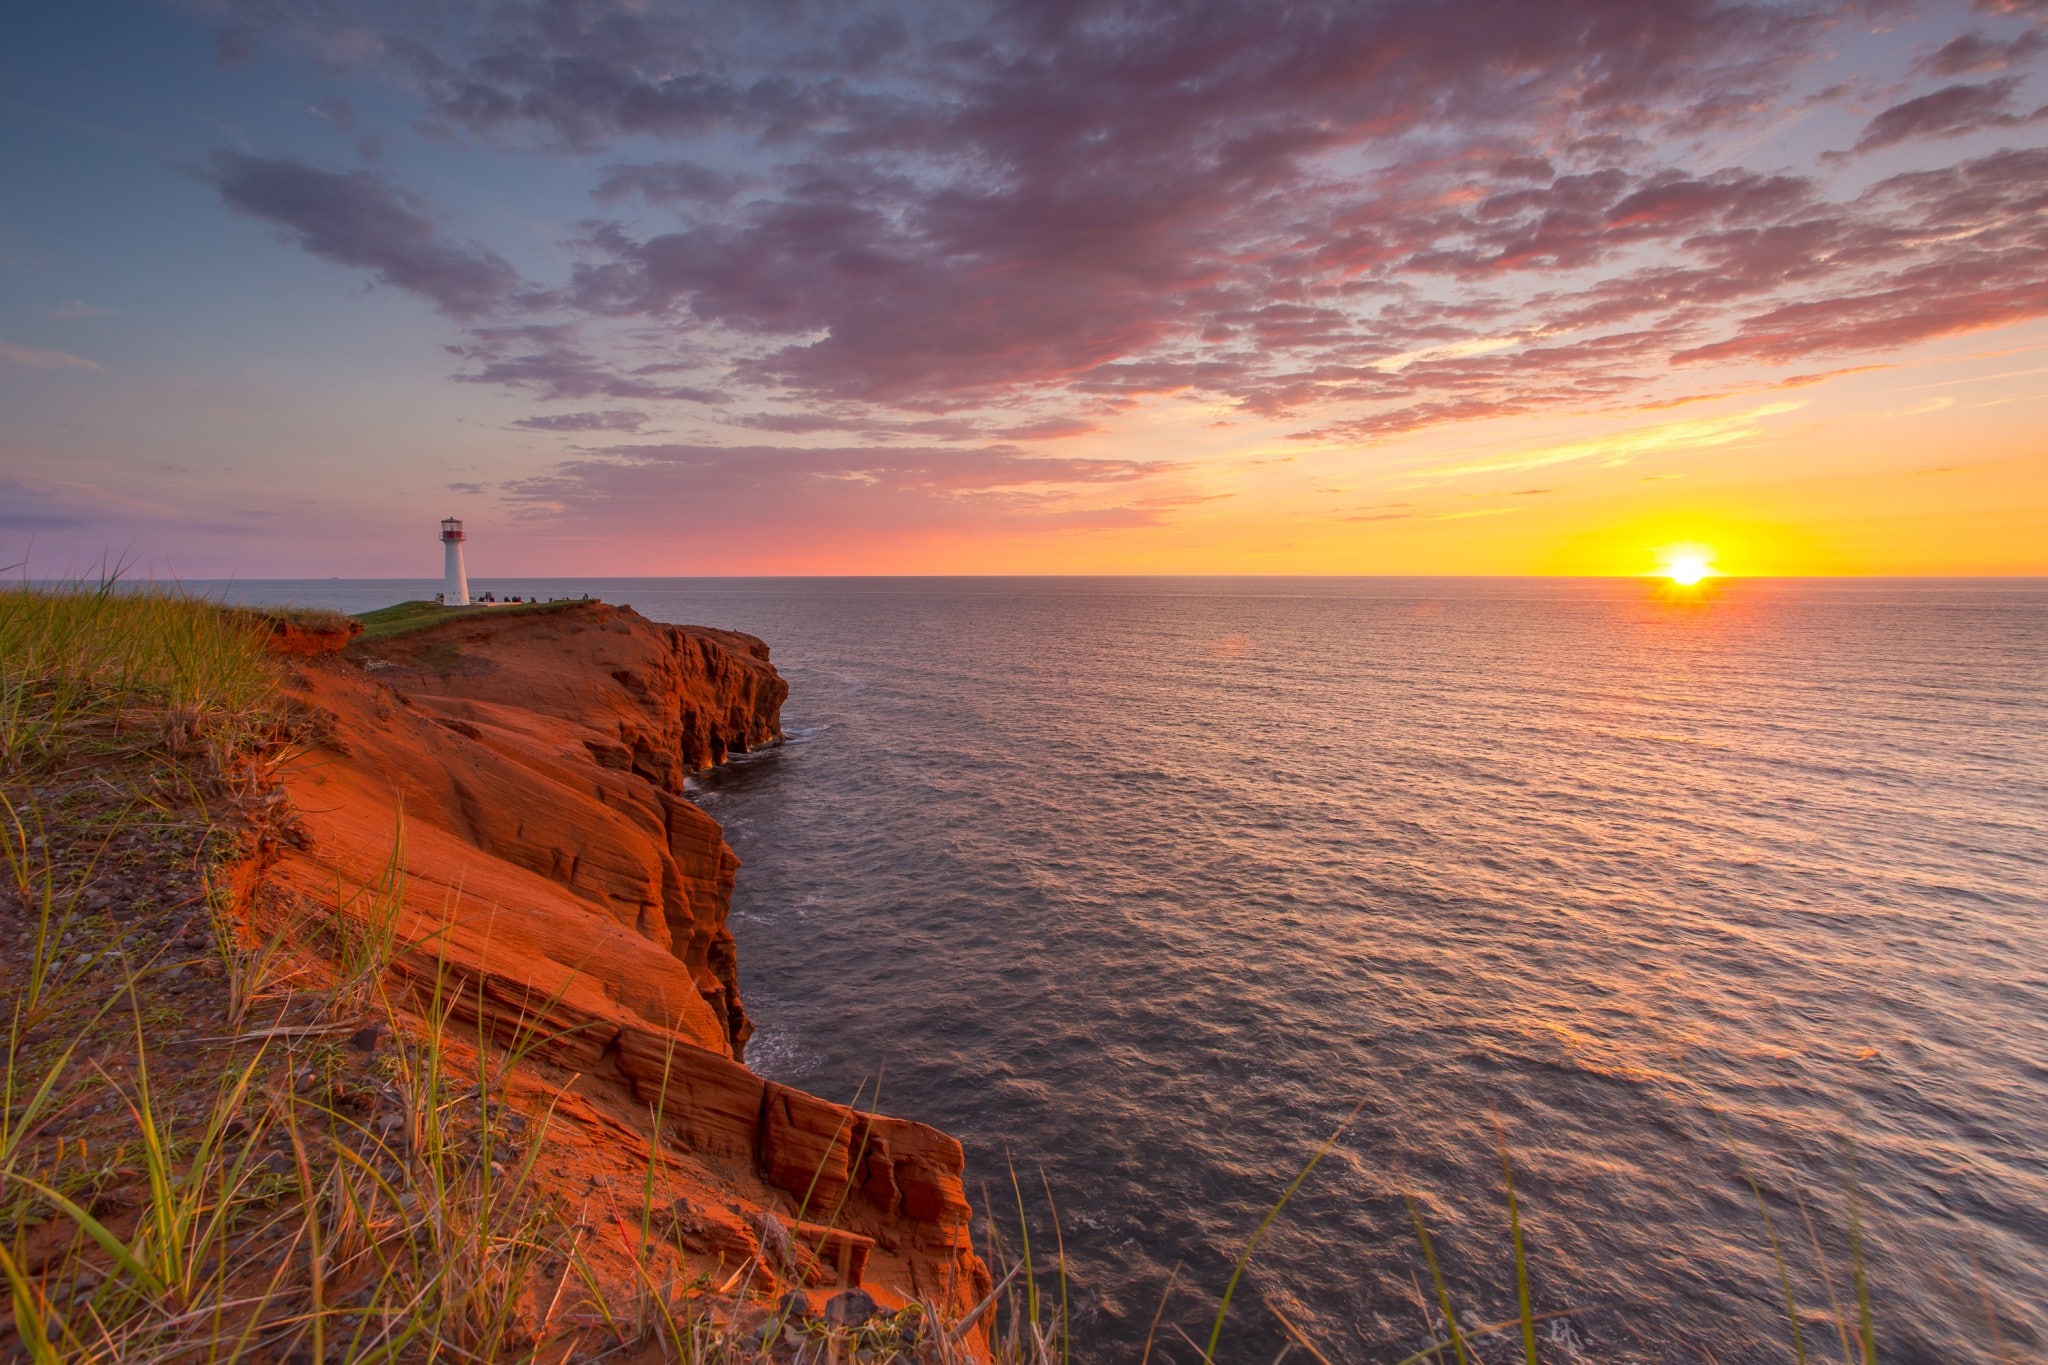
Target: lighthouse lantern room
{"points": [[455, 590]]}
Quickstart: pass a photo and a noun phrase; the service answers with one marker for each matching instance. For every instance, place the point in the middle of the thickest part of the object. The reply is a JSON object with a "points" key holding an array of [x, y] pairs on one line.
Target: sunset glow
{"points": [[1688, 566], [1374, 288]]}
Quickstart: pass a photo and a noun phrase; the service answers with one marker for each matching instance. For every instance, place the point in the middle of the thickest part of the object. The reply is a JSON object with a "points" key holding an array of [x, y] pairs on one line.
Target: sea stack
{"points": [[455, 587]]}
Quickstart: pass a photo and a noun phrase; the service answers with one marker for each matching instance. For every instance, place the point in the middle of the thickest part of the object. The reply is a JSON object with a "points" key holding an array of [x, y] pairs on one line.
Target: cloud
{"points": [[913, 225], [645, 487], [548, 359], [32, 502], [1181, 500], [1972, 52], [1948, 112], [29, 507], [1920, 409], [881, 425], [358, 219], [612, 419], [794, 423], [42, 358], [866, 422], [1979, 378], [667, 182], [1620, 449], [1017, 194], [336, 111], [1048, 429], [75, 310]]}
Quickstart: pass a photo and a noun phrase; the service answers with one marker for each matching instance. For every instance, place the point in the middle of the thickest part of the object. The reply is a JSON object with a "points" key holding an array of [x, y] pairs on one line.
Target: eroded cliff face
{"points": [[554, 885]]}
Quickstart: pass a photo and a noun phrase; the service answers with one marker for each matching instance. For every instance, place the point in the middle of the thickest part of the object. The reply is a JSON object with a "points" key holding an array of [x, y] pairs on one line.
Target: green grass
{"points": [[97, 669], [403, 618]]}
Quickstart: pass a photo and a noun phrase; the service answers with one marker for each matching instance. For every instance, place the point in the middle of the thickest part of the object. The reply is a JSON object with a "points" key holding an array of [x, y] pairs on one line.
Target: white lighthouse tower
{"points": [[455, 591]]}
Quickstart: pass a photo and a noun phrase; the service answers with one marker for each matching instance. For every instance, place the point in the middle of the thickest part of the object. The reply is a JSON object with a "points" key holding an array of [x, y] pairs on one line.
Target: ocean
{"points": [[1696, 903]]}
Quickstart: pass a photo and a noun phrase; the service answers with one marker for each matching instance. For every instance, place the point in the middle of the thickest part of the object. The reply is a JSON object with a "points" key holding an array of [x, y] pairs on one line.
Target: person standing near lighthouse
{"points": [[455, 588]]}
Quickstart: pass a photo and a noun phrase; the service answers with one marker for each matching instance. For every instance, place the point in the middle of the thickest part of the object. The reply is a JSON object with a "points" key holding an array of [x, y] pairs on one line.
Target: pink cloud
{"points": [[912, 228], [611, 419], [43, 358], [633, 489], [1948, 112], [1974, 52]]}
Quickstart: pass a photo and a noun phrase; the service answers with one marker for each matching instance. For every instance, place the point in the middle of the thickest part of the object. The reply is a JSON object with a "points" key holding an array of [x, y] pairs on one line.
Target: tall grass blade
{"points": [[1152, 1331], [115, 1248], [1507, 1175], [1060, 1247], [1024, 1237], [1858, 1266], [30, 1316], [1827, 1279], [1436, 1275], [1763, 1209], [1245, 1258]]}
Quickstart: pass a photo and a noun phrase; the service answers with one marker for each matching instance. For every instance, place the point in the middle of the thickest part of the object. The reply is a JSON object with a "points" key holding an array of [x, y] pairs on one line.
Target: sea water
{"points": [[1694, 901]]}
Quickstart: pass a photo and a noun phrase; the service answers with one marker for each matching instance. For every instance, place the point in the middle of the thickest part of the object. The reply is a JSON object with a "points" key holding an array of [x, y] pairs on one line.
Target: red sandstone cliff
{"points": [[560, 889]]}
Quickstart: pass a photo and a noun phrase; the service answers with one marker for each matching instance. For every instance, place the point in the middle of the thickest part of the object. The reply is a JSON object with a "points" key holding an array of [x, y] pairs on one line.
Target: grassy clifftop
{"points": [[405, 617]]}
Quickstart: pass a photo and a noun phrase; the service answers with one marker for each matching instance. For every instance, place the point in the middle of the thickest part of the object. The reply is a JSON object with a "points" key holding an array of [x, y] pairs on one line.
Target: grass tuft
{"points": [[95, 670]]}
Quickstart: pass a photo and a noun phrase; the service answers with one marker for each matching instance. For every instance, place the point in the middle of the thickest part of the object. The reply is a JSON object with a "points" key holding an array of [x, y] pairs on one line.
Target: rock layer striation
{"points": [[507, 790]]}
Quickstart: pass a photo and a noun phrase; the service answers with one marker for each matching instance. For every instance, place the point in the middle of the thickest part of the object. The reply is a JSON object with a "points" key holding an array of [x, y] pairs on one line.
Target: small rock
{"points": [[364, 1039], [793, 1306], [277, 1163], [850, 1308], [83, 1283]]}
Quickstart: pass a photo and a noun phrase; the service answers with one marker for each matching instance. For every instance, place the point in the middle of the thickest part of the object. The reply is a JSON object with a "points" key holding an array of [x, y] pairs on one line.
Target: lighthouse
{"points": [[455, 591]]}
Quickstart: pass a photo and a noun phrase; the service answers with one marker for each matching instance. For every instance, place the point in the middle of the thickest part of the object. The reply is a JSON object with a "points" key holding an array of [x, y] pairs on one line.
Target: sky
{"points": [[831, 287]]}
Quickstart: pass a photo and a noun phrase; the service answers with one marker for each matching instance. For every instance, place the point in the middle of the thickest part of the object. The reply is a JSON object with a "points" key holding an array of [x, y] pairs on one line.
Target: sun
{"points": [[1687, 570], [1687, 565]]}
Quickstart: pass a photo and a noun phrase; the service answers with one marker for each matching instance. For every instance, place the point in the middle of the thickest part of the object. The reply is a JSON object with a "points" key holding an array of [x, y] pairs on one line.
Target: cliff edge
{"points": [[500, 795]]}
